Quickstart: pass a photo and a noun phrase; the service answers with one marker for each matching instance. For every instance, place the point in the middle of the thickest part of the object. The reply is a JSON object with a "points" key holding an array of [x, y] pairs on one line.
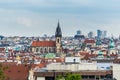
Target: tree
{"points": [[73, 77], [2, 75], [69, 76], [60, 77]]}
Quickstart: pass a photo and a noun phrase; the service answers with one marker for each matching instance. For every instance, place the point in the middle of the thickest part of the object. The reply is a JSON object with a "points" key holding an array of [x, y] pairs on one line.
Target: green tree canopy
{"points": [[69, 77]]}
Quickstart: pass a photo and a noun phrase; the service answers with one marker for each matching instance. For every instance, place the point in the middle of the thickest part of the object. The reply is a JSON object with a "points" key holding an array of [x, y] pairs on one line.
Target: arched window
{"points": [[30, 49], [54, 49], [45, 50], [37, 49], [49, 49], [41, 50], [58, 40]]}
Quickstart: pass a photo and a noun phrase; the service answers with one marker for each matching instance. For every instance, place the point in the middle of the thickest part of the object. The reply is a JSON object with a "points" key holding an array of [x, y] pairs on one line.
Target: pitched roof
{"points": [[2, 49], [43, 44], [89, 41], [17, 72], [41, 65]]}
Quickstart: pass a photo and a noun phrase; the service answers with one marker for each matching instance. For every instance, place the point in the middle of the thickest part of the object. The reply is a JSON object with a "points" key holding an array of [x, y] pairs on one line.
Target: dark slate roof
{"points": [[58, 32]]}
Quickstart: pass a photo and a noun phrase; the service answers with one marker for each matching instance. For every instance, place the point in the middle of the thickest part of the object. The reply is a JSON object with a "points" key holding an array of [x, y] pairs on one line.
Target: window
{"points": [[45, 50], [92, 77], [74, 60], [41, 50], [30, 49], [49, 49], [37, 49], [84, 77], [54, 49], [58, 40]]}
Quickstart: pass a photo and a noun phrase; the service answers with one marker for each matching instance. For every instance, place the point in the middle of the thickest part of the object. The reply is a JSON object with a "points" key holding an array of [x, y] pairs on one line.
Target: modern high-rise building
{"points": [[99, 34], [79, 32], [91, 35], [104, 34], [79, 35]]}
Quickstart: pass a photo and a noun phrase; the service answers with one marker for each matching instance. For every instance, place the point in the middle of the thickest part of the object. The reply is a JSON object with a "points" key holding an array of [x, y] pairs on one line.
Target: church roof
{"points": [[43, 44]]}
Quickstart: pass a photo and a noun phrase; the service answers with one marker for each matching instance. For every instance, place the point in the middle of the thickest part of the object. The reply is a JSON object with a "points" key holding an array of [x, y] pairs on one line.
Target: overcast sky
{"points": [[39, 17]]}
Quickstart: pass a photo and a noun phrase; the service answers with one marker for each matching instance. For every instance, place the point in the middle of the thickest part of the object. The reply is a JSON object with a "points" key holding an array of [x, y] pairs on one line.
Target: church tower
{"points": [[111, 48], [58, 36]]}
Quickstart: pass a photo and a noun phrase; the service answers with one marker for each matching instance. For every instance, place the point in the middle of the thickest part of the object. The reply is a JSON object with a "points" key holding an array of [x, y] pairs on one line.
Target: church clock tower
{"points": [[58, 36]]}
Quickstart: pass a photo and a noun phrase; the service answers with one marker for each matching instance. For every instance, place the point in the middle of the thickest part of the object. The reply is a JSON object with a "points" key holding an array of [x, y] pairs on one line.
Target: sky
{"points": [[39, 17]]}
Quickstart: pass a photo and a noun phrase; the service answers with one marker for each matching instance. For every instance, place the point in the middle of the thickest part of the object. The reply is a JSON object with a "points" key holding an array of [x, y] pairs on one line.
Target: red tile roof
{"points": [[41, 65], [2, 49], [17, 72], [89, 41], [83, 53], [43, 44]]}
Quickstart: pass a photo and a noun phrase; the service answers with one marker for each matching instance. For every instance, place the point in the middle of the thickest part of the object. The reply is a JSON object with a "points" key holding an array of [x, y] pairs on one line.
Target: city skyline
{"points": [[39, 17]]}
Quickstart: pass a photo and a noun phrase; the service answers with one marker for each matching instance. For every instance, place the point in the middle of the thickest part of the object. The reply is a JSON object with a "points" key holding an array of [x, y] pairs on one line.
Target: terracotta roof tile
{"points": [[17, 72], [2, 49], [89, 41], [41, 65], [43, 44]]}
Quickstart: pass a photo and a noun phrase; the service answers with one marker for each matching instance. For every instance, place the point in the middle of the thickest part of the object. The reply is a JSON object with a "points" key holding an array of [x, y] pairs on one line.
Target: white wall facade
{"points": [[72, 60], [72, 67], [116, 71], [87, 66], [40, 78]]}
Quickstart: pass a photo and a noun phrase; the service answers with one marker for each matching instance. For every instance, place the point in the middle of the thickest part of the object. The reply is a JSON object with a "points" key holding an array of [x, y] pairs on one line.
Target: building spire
{"points": [[58, 32], [58, 36]]}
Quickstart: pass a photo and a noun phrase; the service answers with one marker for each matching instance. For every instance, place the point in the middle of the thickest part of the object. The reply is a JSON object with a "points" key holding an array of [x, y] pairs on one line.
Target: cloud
{"points": [[24, 21], [73, 14]]}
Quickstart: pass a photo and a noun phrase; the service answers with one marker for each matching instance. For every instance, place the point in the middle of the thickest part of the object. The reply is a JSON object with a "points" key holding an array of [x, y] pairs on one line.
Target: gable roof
{"points": [[89, 41], [43, 44]]}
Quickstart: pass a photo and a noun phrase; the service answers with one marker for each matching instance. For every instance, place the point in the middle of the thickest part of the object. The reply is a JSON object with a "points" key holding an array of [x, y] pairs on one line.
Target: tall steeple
{"points": [[58, 32], [58, 36]]}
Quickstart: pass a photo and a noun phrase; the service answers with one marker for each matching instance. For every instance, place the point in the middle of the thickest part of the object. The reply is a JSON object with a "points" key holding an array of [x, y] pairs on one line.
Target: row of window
{"points": [[45, 50]]}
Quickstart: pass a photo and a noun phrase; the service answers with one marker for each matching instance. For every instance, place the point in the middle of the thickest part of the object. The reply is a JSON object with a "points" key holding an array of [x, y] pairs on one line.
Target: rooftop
{"points": [[43, 44]]}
